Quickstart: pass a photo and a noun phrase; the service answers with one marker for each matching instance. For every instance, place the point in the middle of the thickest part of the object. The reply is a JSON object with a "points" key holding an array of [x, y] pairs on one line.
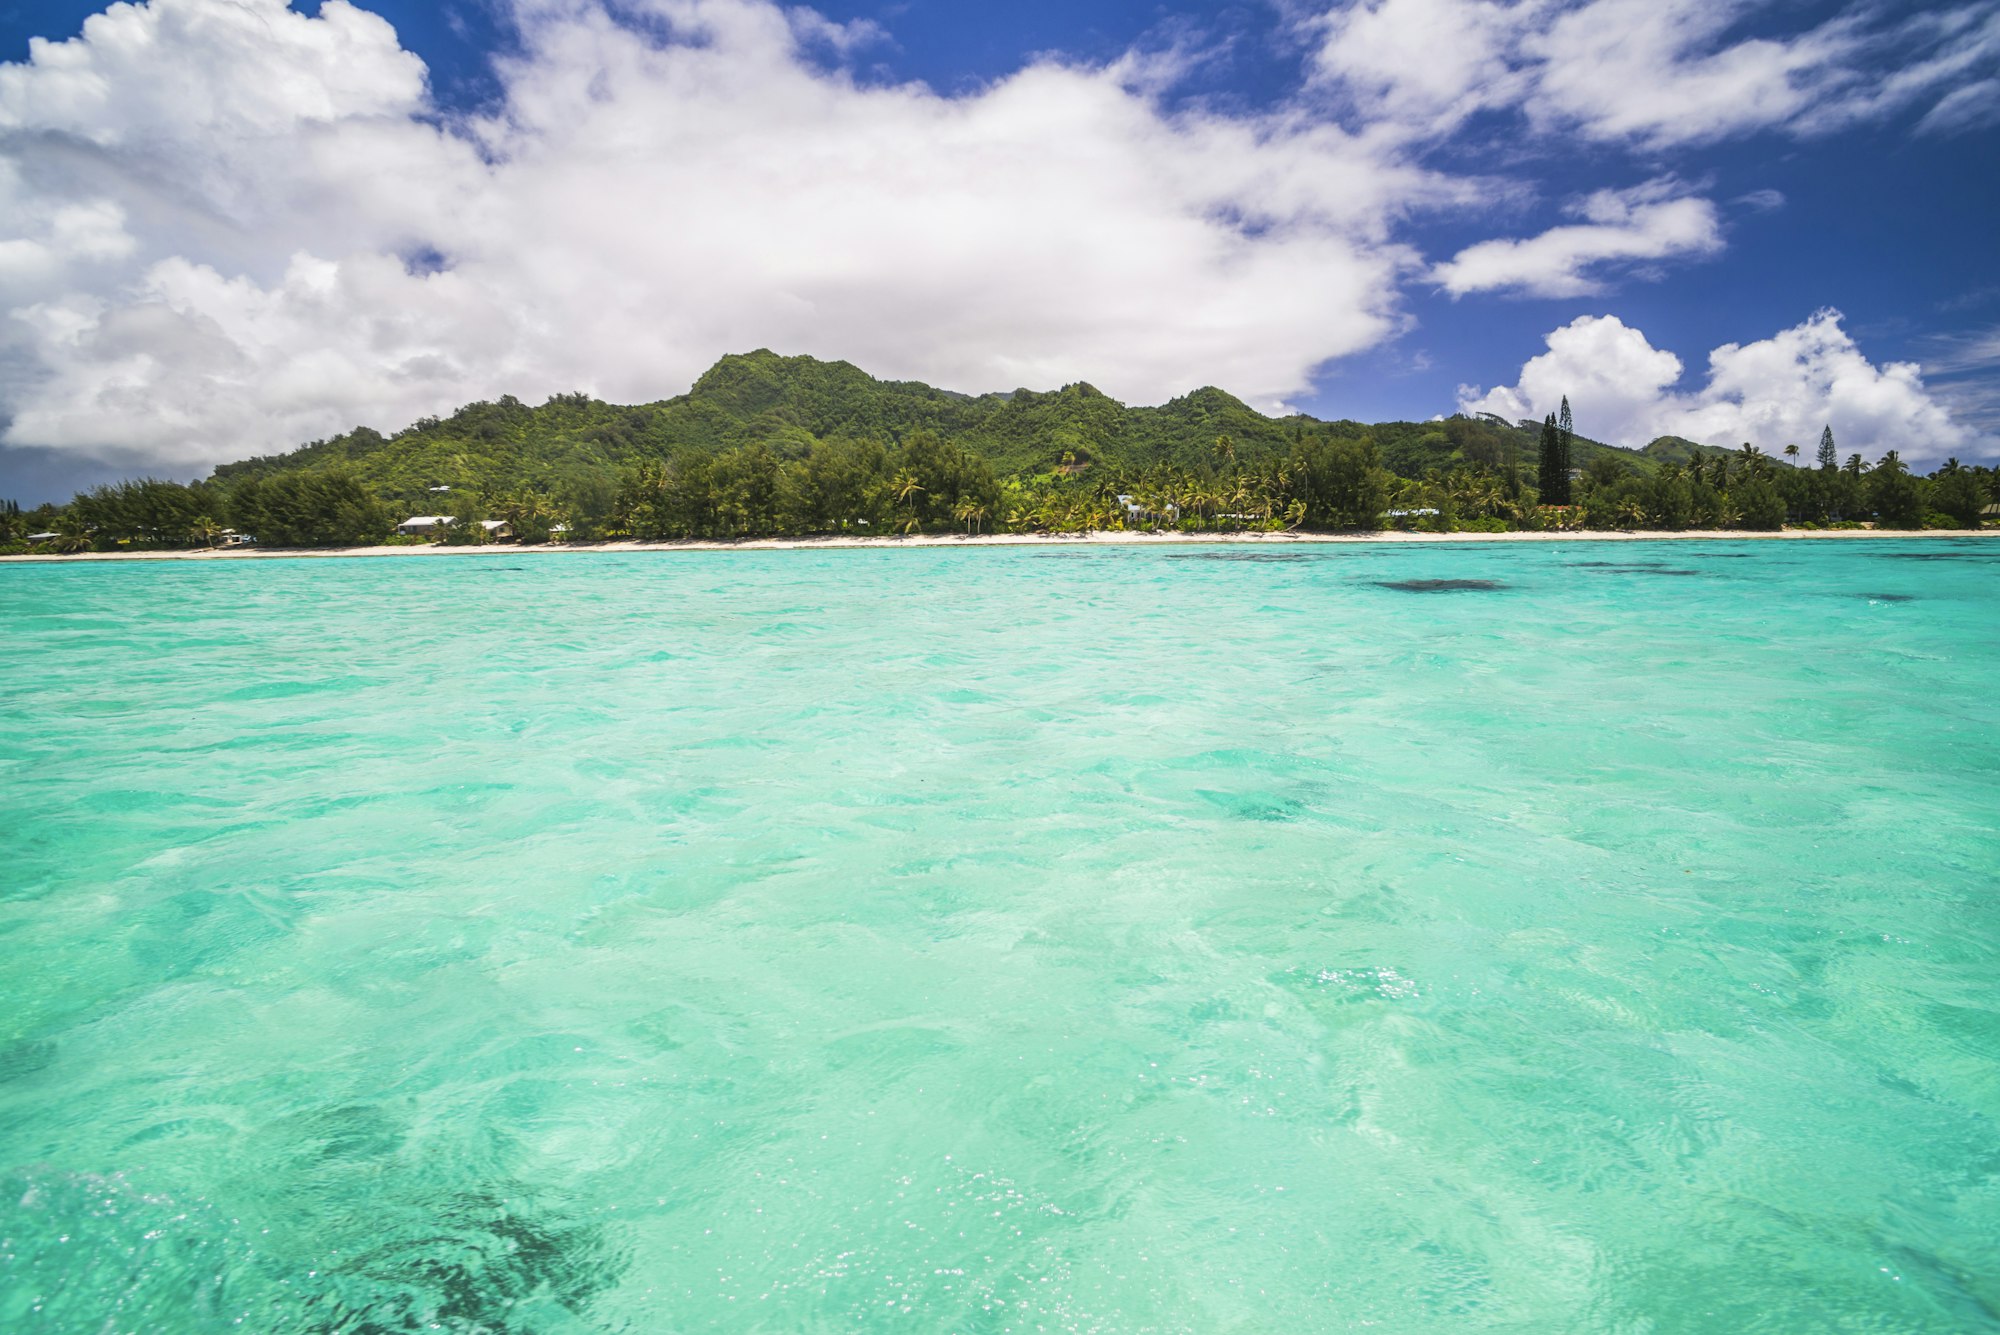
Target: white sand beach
{"points": [[1097, 539]]}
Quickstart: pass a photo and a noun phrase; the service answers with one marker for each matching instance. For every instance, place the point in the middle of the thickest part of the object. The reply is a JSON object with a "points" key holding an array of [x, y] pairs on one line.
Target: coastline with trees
{"points": [[768, 448]]}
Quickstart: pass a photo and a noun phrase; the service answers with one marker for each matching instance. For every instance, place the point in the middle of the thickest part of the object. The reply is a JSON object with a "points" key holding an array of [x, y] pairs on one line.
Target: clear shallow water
{"points": [[1209, 940]]}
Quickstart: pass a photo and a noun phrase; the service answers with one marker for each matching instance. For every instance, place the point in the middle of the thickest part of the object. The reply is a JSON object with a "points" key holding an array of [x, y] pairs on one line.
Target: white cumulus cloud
{"points": [[238, 186], [227, 226], [1658, 73], [1427, 64], [1772, 392], [1650, 222]]}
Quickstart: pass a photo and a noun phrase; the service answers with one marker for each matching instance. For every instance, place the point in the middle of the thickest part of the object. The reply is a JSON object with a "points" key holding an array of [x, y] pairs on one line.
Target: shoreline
{"points": [[1103, 538]]}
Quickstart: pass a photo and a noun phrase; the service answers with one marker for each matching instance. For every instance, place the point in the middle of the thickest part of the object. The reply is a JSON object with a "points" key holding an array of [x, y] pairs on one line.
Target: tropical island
{"points": [[766, 447]]}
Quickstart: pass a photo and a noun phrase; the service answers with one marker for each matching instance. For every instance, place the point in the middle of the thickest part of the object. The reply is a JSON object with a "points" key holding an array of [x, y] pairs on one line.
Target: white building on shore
{"points": [[433, 526]]}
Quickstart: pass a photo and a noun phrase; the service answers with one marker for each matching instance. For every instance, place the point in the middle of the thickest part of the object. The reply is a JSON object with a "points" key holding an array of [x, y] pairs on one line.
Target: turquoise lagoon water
{"points": [[1205, 939]]}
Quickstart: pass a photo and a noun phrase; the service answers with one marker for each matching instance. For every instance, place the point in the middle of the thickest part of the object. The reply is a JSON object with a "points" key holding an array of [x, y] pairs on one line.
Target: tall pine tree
{"points": [[1552, 477], [1565, 433], [1828, 459]]}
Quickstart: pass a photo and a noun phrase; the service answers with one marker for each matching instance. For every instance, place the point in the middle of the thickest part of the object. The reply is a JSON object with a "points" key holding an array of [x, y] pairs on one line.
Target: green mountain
{"points": [[765, 446], [1677, 450], [575, 442]]}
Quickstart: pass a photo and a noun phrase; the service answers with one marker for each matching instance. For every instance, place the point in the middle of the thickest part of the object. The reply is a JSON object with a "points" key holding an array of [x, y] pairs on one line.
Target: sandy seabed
{"points": [[1099, 539]]}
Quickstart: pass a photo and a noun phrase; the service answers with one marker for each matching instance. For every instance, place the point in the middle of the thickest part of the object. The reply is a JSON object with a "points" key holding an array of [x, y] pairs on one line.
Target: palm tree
{"points": [[1243, 496], [1792, 453], [1480, 495], [527, 511], [970, 513], [1201, 500], [205, 531], [905, 488]]}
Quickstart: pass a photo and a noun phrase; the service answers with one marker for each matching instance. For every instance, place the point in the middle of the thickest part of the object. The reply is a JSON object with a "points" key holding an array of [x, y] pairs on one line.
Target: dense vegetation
{"points": [[766, 445]]}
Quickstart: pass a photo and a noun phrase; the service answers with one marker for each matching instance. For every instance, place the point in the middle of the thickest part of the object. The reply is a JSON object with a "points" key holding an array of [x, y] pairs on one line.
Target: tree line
{"points": [[320, 508], [1325, 480]]}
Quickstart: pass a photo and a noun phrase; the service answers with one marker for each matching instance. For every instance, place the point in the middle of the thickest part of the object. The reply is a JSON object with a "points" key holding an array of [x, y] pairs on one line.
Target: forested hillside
{"points": [[576, 444], [763, 444], [789, 403]]}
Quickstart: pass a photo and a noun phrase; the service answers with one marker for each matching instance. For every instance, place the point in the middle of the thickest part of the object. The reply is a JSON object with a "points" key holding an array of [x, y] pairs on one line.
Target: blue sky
{"points": [[237, 225]]}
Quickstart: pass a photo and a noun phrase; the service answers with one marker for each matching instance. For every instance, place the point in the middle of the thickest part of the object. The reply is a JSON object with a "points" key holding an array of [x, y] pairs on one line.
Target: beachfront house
{"points": [[1137, 512], [433, 526]]}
